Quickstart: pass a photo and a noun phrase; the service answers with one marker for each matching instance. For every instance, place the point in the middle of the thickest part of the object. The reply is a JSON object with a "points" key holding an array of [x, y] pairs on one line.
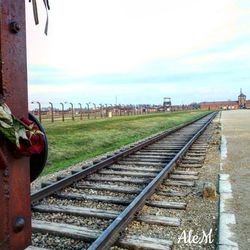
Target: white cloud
{"points": [[101, 93], [237, 53], [154, 38], [118, 36]]}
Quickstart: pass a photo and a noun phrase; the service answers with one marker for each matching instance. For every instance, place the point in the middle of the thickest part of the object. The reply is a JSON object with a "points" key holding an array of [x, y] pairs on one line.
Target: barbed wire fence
{"points": [[65, 111]]}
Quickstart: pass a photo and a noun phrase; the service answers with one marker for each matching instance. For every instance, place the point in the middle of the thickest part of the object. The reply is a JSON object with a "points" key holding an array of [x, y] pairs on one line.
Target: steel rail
{"points": [[112, 233], [48, 190]]}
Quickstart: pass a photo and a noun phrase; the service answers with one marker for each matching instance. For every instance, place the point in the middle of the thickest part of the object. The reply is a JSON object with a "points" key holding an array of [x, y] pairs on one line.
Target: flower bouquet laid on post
{"points": [[23, 134]]}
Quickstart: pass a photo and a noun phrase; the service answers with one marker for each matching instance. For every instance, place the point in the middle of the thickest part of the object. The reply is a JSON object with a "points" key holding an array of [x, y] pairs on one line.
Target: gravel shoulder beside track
{"points": [[202, 215]]}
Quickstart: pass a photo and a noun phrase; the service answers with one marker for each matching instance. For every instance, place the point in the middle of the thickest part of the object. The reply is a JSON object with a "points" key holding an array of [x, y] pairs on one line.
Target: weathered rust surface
{"points": [[3, 160], [14, 178]]}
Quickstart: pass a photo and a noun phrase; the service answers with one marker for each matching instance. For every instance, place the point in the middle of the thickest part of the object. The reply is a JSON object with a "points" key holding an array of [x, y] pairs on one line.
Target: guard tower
{"points": [[242, 100], [167, 103]]}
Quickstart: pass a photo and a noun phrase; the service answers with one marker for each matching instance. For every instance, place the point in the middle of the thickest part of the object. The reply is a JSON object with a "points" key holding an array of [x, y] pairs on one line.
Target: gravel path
{"points": [[236, 129]]}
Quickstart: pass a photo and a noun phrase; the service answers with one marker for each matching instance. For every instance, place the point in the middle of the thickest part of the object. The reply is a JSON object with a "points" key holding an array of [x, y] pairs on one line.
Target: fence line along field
{"points": [[69, 111], [74, 141]]}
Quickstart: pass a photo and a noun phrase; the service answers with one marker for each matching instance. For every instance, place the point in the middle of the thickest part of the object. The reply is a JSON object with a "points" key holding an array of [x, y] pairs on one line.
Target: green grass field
{"points": [[73, 141]]}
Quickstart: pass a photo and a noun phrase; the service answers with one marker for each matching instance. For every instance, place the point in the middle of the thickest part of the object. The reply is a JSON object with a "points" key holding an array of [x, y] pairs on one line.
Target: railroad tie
{"points": [[172, 193], [183, 177], [86, 234], [179, 183], [98, 198], [167, 204], [105, 214], [65, 230], [142, 242]]}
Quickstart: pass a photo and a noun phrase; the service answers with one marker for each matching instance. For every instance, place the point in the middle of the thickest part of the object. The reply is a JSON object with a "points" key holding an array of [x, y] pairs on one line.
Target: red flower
{"points": [[35, 142]]}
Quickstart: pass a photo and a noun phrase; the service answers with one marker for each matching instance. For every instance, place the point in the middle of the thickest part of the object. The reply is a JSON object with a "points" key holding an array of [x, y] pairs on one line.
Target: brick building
{"points": [[241, 103]]}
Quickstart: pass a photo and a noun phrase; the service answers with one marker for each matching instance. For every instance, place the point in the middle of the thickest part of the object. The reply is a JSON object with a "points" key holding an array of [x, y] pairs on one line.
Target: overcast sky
{"points": [[139, 51]]}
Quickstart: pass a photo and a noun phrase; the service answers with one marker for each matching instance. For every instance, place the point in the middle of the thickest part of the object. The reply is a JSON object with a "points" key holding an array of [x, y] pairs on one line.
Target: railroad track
{"points": [[92, 208]]}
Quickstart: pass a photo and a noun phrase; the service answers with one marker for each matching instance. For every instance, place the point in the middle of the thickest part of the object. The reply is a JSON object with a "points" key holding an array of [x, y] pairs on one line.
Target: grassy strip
{"points": [[71, 142]]}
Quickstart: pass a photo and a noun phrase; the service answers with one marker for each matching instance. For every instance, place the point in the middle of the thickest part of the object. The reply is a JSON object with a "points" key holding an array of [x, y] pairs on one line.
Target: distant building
{"points": [[242, 100], [167, 103], [241, 103]]}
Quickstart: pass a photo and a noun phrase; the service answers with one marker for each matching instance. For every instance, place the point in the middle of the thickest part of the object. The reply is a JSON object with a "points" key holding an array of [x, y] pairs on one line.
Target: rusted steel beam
{"points": [[15, 222]]}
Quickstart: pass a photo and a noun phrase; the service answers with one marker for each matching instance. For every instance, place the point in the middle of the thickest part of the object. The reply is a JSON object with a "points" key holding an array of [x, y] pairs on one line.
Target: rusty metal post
{"points": [[106, 110], [80, 110], [94, 109], [119, 110], [72, 111], [88, 109], [52, 111], [15, 222], [39, 111], [101, 110], [62, 111]]}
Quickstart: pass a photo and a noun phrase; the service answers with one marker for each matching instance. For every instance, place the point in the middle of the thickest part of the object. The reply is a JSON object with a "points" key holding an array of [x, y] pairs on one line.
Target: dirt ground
{"points": [[236, 130]]}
